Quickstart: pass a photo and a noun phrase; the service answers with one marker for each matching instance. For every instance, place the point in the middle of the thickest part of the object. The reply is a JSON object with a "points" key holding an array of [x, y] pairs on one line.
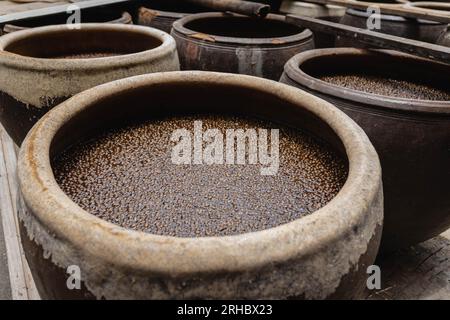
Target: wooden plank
{"points": [[22, 284], [61, 9], [15, 266], [375, 39], [8, 6], [12, 150], [392, 9]]}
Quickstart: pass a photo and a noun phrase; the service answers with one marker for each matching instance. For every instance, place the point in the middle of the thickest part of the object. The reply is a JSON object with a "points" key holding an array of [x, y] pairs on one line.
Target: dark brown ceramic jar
{"points": [[427, 31], [238, 44], [444, 37], [411, 134]]}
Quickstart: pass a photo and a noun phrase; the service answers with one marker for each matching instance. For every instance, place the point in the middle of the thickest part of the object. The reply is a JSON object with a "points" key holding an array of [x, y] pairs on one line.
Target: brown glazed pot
{"points": [[421, 30], [123, 18], [29, 59], [324, 12], [412, 137], [322, 255], [238, 44], [444, 37]]}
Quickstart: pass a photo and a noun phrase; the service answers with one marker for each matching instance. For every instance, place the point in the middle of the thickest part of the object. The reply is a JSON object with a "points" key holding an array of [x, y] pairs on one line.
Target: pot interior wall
{"points": [[54, 44], [243, 27], [159, 100], [399, 68]]}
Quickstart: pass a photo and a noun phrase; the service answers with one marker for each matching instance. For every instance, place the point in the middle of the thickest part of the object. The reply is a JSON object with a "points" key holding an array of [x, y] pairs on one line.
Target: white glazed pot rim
{"points": [[65, 220]]}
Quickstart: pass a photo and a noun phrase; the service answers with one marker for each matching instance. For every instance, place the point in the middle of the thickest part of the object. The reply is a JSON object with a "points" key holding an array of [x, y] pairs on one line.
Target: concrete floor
{"points": [[5, 288]]}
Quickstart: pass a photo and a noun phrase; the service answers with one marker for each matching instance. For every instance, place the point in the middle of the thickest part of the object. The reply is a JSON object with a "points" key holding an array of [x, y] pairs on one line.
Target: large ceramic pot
{"points": [[444, 37], [108, 17], [322, 255], [238, 44], [411, 135], [41, 67], [422, 30]]}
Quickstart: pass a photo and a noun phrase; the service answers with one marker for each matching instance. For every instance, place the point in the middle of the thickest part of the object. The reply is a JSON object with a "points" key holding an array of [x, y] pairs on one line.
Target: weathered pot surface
{"points": [[122, 18], [444, 37], [411, 135], [37, 59], [421, 30], [288, 261], [233, 43]]}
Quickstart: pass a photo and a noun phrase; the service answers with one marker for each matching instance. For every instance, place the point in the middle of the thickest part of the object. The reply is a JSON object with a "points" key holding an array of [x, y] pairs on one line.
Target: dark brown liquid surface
{"points": [[388, 86], [126, 176]]}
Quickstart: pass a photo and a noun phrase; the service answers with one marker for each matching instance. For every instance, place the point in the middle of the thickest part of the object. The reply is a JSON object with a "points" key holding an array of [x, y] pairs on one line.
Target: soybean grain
{"points": [[126, 176]]}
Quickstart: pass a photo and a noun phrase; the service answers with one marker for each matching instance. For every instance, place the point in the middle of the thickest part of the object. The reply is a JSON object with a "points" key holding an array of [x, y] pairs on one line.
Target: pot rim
{"points": [[294, 72], [64, 219], [50, 64], [179, 27]]}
